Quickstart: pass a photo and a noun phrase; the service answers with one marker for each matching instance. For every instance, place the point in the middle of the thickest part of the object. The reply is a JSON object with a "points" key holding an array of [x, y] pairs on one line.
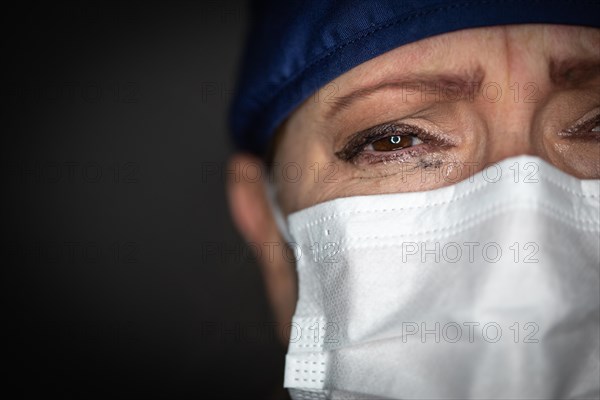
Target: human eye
{"points": [[586, 128], [392, 142], [576, 148]]}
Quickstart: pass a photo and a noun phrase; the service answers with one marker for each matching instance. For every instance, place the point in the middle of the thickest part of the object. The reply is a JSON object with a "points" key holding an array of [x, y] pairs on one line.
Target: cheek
{"points": [[578, 158], [304, 172], [578, 155]]}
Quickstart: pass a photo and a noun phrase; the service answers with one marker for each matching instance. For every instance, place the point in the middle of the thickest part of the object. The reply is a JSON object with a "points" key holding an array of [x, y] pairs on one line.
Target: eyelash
{"points": [[356, 150], [583, 130]]}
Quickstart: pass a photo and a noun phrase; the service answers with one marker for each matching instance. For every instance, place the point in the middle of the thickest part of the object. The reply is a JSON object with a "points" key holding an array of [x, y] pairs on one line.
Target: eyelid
{"points": [[358, 141], [579, 128]]}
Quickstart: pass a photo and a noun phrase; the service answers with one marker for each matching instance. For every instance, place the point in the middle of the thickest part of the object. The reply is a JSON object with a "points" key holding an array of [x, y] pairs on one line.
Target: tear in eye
{"points": [[394, 142]]}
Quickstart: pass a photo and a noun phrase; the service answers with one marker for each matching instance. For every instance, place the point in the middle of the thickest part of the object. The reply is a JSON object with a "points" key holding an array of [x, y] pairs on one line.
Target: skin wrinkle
{"points": [[486, 131], [504, 69], [465, 84], [572, 74], [585, 44], [483, 130]]}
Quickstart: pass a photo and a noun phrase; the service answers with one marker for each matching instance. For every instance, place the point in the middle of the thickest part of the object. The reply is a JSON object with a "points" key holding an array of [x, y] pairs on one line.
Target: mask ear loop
{"points": [[280, 220]]}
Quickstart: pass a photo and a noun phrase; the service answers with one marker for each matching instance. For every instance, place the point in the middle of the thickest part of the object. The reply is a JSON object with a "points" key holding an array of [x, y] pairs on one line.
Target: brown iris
{"points": [[391, 143]]}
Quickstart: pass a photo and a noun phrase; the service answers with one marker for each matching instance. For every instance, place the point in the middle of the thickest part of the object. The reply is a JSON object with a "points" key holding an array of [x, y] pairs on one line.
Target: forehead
{"points": [[471, 52], [461, 49], [477, 53]]}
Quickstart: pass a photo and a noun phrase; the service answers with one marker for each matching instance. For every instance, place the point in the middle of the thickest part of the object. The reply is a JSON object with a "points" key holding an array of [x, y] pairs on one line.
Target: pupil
{"points": [[395, 139]]}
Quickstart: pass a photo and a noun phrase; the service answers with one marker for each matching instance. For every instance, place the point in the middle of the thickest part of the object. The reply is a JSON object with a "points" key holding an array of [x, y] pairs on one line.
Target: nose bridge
{"points": [[513, 94], [511, 131]]}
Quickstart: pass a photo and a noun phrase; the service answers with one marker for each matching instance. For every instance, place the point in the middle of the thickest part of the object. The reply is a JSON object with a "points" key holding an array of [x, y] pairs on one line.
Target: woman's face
{"points": [[431, 113], [423, 116]]}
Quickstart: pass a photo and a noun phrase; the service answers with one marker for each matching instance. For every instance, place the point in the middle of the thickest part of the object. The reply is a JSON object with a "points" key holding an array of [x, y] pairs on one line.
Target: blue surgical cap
{"points": [[296, 47]]}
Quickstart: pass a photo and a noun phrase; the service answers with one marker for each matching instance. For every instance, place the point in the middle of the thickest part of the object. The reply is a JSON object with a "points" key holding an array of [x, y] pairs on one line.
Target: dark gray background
{"points": [[123, 276]]}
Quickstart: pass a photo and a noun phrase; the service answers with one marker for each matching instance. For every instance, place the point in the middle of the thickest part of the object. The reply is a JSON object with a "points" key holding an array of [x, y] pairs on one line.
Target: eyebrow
{"points": [[563, 73], [573, 72], [448, 83]]}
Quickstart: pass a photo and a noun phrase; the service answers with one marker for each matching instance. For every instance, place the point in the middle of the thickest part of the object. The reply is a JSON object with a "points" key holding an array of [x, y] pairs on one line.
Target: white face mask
{"points": [[489, 288]]}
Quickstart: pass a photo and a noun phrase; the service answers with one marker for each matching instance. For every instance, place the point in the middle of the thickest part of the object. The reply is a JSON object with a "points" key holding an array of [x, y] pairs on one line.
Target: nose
{"points": [[512, 133], [513, 95]]}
